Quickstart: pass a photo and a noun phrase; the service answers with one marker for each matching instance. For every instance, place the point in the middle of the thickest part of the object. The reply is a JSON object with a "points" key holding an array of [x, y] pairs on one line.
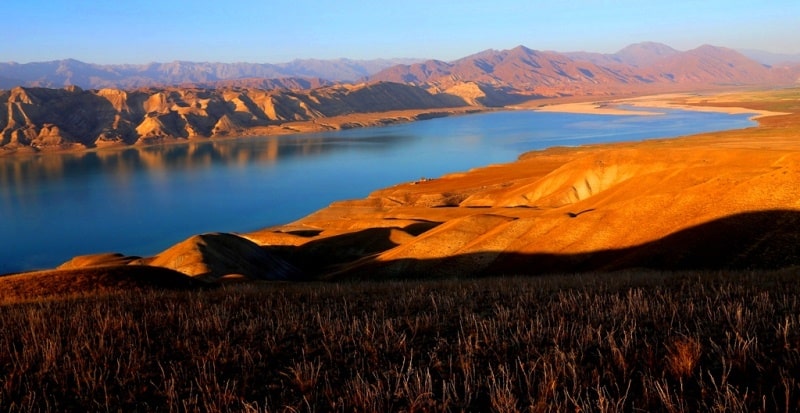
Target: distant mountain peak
{"points": [[644, 54], [649, 45], [711, 47]]}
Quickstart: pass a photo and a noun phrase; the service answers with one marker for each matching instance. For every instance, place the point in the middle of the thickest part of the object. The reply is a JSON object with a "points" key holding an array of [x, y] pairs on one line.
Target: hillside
{"points": [[724, 200], [72, 118]]}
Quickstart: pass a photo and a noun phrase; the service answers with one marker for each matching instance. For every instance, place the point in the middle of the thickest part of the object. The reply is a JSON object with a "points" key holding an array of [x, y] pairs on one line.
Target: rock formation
{"points": [[72, 118]]}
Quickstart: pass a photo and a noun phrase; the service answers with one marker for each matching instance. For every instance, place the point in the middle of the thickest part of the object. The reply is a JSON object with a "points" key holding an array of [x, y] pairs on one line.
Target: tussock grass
{"points": [[616, 342]]}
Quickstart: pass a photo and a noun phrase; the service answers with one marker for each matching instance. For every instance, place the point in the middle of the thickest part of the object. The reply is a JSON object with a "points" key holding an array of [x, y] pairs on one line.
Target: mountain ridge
{"points": [[69, 72], [640, 67], [634, 64]]}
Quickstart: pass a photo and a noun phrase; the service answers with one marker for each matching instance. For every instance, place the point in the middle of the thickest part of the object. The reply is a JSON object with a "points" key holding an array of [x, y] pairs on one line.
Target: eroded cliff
{"points": [[40, 119]]}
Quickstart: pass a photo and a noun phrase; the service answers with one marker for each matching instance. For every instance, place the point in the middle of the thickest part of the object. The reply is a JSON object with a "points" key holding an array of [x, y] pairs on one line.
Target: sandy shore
{"points": [[595, 108], [685, 101]]}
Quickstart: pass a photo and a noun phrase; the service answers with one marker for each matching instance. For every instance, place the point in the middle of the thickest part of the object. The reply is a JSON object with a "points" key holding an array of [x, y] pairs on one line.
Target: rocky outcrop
{"points": [[72, 118]]}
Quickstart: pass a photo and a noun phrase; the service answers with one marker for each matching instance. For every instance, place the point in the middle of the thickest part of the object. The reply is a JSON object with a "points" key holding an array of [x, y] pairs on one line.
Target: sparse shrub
{"points": [[607, 343], [683, 353]]}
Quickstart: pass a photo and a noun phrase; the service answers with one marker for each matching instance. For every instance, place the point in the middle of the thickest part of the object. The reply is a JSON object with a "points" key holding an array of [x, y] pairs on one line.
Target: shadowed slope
{"points": [[97, 260], [761, 240], [209, 257], [92, 280]]}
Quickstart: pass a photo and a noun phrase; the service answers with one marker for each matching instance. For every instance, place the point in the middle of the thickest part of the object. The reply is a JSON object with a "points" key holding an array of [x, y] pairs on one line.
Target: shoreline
{"points": [[612, 107], [681, 101], [321, 125]]}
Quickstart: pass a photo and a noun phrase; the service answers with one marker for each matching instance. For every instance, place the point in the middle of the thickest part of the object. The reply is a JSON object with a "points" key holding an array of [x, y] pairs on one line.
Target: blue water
{"points": [[139, 201]]}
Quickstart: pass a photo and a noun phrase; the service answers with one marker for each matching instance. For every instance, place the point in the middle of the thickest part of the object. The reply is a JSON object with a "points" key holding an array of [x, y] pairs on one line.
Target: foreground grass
{"points": [[621, 342]]}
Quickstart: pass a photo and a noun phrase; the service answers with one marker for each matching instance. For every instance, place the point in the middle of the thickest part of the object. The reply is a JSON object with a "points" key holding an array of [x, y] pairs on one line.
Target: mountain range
{"points": [[129, 104], [70, 72], [637, 68], [520, 69]]}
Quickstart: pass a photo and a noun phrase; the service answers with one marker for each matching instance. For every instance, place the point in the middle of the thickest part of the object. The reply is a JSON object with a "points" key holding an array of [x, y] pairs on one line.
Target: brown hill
{"points": [[210, 257], [714, 65], [72, 118], [638, 55], [644, 54]]}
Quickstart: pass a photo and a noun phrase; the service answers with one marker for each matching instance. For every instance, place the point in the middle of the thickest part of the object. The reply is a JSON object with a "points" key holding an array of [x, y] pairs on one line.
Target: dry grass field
{"points": [[622, 342]]}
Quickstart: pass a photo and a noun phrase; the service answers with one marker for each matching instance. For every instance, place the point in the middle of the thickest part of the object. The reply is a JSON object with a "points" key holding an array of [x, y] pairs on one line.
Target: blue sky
{"points": [[141, 31]]}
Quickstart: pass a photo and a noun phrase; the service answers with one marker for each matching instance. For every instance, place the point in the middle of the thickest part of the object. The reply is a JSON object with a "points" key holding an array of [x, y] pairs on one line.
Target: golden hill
{"points": [[720, 200]]}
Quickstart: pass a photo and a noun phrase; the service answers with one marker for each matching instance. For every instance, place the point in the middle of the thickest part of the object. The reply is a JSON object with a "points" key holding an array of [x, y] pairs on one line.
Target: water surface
{"points": [[141, 200]]}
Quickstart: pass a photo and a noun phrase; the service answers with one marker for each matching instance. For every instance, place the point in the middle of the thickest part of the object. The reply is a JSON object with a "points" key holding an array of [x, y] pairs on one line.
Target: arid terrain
{"points": [[726, 200], [656, 276], [40, 119]]}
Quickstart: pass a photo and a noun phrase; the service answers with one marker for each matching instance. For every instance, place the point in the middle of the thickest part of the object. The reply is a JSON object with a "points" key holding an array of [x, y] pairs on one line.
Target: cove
{"points": [[139, 201]]}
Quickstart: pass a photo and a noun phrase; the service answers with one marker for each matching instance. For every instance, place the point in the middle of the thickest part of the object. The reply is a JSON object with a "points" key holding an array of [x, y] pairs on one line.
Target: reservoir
{"points": [[139, 201]]}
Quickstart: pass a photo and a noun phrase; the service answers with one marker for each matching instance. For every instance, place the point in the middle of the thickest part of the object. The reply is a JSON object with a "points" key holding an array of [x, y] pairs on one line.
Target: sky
{"points": [[276, 31]]}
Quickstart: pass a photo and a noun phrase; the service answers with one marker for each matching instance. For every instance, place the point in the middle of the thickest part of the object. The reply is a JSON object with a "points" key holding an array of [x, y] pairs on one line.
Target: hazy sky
{"points": [[274, 31]]}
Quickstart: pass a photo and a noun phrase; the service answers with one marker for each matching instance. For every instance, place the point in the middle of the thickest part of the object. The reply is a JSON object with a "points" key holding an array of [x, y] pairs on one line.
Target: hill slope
{"points": [[718, 201]]}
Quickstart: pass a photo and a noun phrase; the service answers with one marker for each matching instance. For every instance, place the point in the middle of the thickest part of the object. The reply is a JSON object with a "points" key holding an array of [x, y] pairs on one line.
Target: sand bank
{"points": [[594, 108], [684, 101]]}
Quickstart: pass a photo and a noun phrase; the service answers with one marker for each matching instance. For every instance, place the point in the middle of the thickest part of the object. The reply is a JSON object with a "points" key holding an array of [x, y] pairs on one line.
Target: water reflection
{"points": [[23, 178]]}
